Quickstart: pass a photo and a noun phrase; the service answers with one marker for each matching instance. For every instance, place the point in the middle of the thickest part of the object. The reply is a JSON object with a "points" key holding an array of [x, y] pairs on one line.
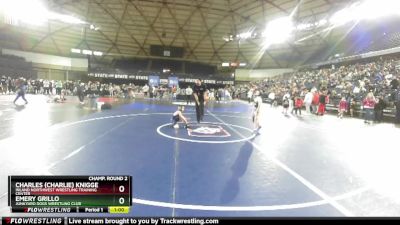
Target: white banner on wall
{"points": [[39, 58]]}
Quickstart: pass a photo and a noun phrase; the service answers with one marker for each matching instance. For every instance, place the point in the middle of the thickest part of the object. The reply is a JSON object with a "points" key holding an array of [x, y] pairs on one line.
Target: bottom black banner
{"points": [[169, 221], [34, 220]]}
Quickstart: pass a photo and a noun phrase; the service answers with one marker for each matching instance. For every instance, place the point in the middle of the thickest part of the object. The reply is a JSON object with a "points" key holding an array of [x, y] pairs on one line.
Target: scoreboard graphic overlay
{"points": [[70, 194]]}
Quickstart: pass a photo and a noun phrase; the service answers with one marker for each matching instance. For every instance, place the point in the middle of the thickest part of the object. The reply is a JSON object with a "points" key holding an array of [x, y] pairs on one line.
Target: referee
{"points": [[200, 96]]}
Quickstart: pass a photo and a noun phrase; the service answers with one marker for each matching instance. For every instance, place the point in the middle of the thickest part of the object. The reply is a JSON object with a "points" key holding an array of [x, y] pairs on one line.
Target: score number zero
{"points": [[121, 189]]}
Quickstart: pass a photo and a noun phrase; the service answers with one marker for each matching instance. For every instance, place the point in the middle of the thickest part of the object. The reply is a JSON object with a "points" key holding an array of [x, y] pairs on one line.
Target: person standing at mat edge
{"points": [[257, 111], [200, 95], [21, 85]]}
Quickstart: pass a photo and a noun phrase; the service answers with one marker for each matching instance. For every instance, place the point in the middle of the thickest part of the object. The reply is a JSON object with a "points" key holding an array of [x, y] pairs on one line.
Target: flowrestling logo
{"points": [[207, 130]]}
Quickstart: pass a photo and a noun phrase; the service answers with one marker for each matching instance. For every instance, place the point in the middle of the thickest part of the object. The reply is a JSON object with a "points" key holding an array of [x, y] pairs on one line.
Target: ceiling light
{"points": [[225, 64], [278, 31], [33, 12], [87, 52], [28, 11], [245, 35], [96, 53], [74, 50]]}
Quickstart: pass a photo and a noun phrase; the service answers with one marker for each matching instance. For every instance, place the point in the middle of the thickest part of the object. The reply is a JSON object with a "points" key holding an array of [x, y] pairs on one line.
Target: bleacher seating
{"points": [[13, 66]]}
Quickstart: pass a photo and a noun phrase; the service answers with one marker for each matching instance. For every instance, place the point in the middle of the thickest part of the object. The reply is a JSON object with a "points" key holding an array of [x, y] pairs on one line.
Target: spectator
{"points": [[189, 93], [397, 105], [271, 97], [22, 85], [308, 99], [59, 86], [3, 85], [394, 84], [315, 102], [217, 95], [342, 107], [379, 107], [322, 103], [298, 104], [250, 95], [369, 105], [285, 103], [81, 93], [145, 90]]}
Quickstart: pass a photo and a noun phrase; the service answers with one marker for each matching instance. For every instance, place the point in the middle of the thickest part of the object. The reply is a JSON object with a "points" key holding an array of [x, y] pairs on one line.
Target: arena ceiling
{"points": [[127, 28]]}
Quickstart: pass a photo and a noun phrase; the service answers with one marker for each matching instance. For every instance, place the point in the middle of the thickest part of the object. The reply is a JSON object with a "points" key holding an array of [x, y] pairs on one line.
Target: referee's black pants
{"points": [[200, 111], [81, 97]]}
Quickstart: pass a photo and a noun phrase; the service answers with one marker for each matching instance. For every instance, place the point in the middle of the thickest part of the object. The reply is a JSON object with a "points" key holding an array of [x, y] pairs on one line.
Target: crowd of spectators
{"points": [[96, 89], [67, 88], [371, 86]]}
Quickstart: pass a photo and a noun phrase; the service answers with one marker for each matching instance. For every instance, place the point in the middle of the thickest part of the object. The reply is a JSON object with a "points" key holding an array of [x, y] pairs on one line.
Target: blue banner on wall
{"points": [[173, 81], [154, 81]]}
